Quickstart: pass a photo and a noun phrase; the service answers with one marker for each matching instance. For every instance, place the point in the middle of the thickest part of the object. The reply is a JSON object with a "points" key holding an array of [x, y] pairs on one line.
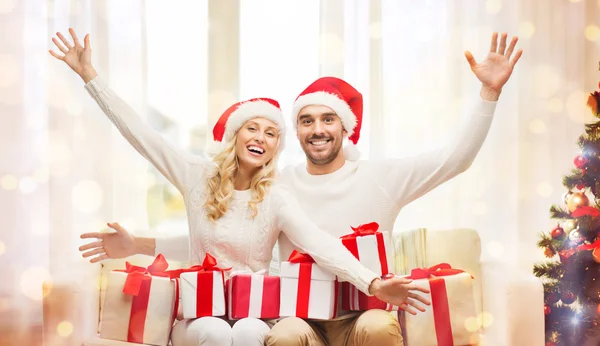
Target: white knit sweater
{"points": [[375, 191], [236, 240]]}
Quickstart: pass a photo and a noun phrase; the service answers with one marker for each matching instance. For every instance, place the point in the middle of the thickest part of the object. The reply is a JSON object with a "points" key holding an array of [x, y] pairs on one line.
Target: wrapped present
{"points": [[444, 322], [307, 290], [203, 289], [355, 300], [370, 247], [140, 304], [252, 295]]}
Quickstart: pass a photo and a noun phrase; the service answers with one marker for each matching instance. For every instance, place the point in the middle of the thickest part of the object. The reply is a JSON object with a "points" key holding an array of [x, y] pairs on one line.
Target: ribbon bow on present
{"points": [[442, 269], [208, 265], [136, 274], [297, 257], [362, 230]]}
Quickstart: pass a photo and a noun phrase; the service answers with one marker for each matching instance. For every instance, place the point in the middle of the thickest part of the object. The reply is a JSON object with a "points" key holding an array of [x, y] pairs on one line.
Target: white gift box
{"points": [[307, 293], [202, 294], [147, 318]]}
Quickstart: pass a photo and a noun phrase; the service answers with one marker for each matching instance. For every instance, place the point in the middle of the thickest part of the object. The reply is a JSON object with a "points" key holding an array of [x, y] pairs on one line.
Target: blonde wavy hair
{"points": [[220, 184]]}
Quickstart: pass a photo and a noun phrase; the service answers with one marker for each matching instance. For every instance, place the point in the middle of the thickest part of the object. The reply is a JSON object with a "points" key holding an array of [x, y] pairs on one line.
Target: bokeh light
{"points": [[537, 126], [493, 6], [32, 280], [87, 196], [64, 329], [495, 249], [526, 29], [545, 189], [9, 182], [546, 81], [592, 32]]}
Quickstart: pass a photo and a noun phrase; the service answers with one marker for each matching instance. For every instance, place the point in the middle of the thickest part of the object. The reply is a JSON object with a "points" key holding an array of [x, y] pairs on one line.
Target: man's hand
{"points": [[400, 292], [118, 244], [496, 69]]}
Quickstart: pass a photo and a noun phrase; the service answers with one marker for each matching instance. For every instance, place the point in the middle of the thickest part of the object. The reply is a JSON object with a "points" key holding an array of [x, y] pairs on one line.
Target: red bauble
{"points": [[581, 161], [558, 233], [547, 310], [550, 343], [552, 298], [567, 297]]}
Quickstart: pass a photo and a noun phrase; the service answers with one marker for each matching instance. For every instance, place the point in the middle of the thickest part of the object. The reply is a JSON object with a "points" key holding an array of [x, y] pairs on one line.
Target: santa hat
{"points": [[343, 99], [236, 116]]}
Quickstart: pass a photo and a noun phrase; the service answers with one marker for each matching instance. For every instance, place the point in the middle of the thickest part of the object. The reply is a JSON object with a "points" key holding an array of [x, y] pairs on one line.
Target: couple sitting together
{"points": [[239, 205]]}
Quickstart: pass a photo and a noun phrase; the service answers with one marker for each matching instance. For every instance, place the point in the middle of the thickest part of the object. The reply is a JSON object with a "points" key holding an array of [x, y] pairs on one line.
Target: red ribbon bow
{"points": [[586, 210], [209, 264], [136, 274], [583, 247], [362, 230], [297, 257], [442, 269]]}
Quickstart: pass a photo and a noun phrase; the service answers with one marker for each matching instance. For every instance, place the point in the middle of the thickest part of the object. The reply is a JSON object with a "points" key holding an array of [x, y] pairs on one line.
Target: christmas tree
{"points": [[571, 275]]}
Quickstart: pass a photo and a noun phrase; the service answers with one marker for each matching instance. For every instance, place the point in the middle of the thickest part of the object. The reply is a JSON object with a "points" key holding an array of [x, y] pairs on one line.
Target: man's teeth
{"points": [[318, 142], [256, 149]]}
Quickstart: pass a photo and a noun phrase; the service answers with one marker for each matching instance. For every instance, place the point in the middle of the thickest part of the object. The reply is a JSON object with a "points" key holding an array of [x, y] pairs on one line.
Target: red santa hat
{"points": [[343, 99], [236, 116]]}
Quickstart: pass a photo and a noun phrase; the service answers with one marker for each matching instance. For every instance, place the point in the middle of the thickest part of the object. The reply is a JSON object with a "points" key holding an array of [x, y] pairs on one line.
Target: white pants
{"points": [[213, 331]]}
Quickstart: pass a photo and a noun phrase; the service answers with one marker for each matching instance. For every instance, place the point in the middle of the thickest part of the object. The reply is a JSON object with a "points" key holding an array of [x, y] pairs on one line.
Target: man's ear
{"points": [[344, 133]]}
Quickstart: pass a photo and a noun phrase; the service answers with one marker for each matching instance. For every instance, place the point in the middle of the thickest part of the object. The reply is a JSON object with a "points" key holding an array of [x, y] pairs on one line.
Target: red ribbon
{"points": [[439, 298], [304, 278], [586, 210], [297, 257], [136, 275], [362, 230], [204, 287], [137, 284], [442, 269], [570, 252], [349, 241]]}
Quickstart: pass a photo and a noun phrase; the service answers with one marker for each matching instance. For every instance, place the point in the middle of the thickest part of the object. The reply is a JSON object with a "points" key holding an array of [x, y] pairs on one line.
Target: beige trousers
{"points": [[372, 327]]}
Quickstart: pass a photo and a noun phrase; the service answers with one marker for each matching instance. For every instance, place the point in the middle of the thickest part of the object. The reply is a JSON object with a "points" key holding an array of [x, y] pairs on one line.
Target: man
{"points": [[371, 191]]}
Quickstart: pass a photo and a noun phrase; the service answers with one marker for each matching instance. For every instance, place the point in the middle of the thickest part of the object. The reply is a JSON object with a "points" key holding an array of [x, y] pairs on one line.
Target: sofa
{"points": [[509, 302]]}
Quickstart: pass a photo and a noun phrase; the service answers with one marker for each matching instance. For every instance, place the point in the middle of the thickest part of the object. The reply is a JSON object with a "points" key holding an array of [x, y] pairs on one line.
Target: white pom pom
{"points": [[351, 152], [214, 147]]}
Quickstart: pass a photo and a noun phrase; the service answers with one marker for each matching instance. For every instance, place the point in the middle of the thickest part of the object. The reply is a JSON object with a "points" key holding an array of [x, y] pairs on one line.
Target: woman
{"points": [[234, 207]]}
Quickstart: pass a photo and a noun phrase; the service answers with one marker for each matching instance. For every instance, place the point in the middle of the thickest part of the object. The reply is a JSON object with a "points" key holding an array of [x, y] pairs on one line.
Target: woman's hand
{"points": [[77, 57]]}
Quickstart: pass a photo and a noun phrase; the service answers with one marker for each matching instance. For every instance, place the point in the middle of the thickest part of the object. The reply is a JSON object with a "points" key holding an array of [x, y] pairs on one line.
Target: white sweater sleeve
{"points": [[175, 247], [407, 179], [182, 169], [326, 250]]}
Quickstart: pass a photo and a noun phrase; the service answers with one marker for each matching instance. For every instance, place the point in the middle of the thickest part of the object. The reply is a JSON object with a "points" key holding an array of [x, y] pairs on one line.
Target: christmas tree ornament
{"points": [[575, 236], [547, 310], [552, 298], [576, 200], [580, 161], [567, 297], [558, 233], [596, 255], [549, 252], [569, 225]]}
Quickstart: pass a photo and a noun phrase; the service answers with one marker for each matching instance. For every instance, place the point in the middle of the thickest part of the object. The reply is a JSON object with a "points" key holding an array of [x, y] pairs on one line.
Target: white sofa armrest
{"points": [[514, 300], [72, 299]]}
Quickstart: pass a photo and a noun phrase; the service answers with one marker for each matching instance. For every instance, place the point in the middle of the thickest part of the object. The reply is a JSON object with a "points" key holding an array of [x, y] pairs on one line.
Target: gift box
{"points": [[252, 295], [140, 304], [203, 289], [370, 247], [355, 300], [307, 290], [444, 322]]}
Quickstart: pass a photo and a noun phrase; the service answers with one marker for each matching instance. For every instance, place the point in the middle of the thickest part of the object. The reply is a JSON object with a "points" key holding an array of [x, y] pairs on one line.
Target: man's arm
{"points": [[407, 179]]}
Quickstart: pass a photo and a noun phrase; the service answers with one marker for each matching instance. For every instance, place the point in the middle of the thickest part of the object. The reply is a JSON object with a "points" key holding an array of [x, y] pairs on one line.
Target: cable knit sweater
{"points": [[236, 240]]}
